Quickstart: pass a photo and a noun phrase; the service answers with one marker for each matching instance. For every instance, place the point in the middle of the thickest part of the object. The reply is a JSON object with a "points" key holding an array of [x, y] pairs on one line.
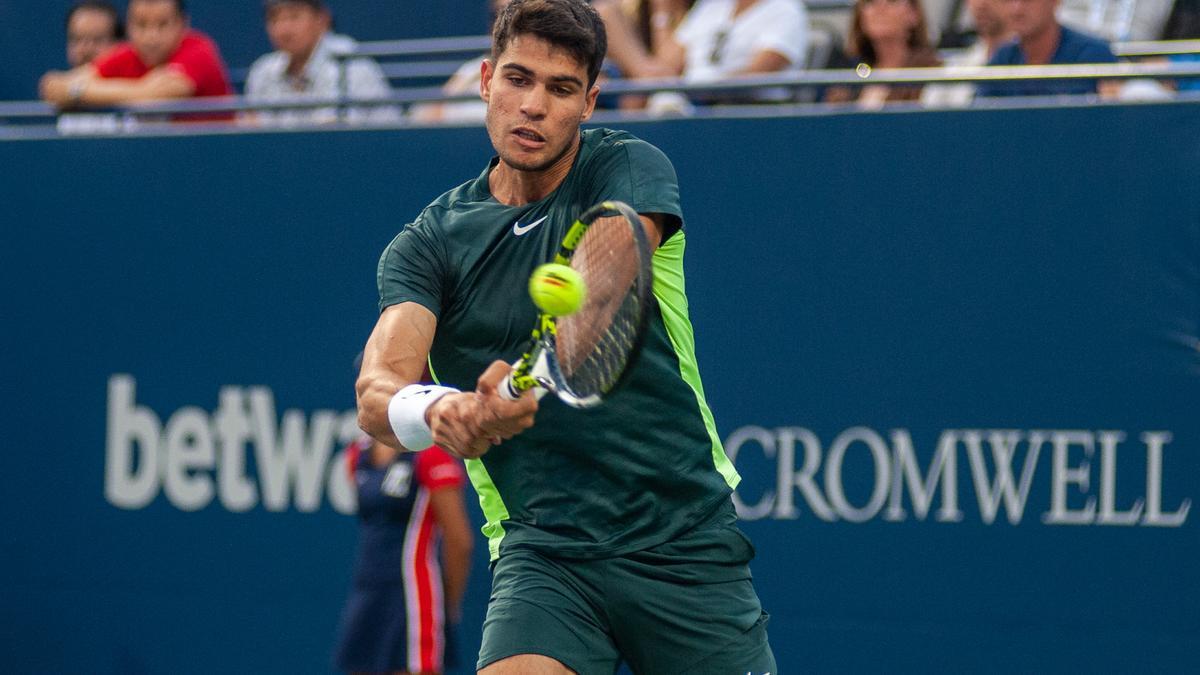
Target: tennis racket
{"points": [[583, 356]]}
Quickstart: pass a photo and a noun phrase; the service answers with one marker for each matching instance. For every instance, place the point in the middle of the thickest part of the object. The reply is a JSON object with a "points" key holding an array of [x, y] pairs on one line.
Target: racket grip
{"points": [[508, 390]]}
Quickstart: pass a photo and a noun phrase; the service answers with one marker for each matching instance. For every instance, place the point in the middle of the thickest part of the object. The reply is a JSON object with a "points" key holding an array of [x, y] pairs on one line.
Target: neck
{"points": [[516, 187], [298, 61], [1039, 47], [891, 53], [993, 41]]}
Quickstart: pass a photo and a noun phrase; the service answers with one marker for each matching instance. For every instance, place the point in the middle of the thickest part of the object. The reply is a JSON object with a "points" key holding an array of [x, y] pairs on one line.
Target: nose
{"points": [[533, 104]]}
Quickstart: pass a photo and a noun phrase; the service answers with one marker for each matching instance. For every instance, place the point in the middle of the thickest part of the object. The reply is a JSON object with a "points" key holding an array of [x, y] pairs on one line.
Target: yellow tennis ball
{"points": [[557, 289]]}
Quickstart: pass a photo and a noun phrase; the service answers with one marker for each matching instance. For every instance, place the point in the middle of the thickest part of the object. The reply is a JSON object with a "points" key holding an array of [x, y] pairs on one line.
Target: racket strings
{"points": [[595, 343]]}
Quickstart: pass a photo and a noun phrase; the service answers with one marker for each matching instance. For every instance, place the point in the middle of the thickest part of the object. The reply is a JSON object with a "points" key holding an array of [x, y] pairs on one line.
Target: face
{"points": [[537, 96], [296, 28], [986, 14], [90, 33], [888, 19], [155, 29], [1028, 18]]}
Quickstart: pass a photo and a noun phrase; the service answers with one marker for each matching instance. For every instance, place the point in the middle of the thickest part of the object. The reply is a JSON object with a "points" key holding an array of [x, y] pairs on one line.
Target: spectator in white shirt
{"points": [[720, 39], [306, 67], [1117, 20]]}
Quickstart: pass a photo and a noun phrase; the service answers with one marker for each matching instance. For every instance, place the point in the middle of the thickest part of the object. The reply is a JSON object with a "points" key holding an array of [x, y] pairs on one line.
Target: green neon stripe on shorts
{"points": [[669, 289]]}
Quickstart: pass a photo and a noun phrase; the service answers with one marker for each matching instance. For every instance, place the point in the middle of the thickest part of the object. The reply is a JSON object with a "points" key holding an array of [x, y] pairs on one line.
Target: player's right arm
{"points": [[395, 358]]}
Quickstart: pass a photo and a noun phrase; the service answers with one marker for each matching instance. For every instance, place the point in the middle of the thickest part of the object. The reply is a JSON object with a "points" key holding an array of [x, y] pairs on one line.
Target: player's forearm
{"points": [[394, 358]]}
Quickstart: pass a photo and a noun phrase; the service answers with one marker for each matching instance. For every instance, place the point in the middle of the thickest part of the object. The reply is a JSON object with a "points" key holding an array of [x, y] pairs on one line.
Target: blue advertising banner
{"points": [[955, 357]]}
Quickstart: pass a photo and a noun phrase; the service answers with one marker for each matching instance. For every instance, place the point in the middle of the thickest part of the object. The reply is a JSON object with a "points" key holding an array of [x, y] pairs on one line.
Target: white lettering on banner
{"points": [[294, 460], [1003, 466]]}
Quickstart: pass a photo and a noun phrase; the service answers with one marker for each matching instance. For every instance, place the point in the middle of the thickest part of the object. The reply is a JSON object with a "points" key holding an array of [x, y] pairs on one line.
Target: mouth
{"points": [[528, 138]]}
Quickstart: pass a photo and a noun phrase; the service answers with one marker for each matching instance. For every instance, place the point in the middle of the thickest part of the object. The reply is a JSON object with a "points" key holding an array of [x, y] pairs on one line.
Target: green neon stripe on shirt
{"points": [[489, 497], [669, 289], [493, 506]]}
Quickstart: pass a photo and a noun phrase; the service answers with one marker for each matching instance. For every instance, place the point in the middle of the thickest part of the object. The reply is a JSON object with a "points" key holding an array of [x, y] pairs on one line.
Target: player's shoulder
{"points": [[603, 144], [439, 214], [601, 138]]}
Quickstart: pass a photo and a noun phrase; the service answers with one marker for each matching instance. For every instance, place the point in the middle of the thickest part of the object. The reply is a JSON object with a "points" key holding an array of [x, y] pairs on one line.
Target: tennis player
{"points": [[611, 531]]}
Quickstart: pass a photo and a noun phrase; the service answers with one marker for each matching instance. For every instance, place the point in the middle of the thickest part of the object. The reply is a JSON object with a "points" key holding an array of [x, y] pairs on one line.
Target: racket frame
{"points": [[538, 367]]}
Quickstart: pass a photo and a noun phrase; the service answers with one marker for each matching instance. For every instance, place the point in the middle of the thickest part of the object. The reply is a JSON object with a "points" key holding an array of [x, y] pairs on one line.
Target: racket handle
{"points": [[508, 390]]}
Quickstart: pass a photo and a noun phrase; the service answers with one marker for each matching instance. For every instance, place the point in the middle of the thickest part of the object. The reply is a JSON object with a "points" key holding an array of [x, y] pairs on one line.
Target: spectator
{"points": [[637, 31], [1184, 24], [93, 27], [886, 34], [713, 41], [1117, 20], [465, 80], [1041, 40], [403, 605], [990, 33], [164, 59], [305, 67]]}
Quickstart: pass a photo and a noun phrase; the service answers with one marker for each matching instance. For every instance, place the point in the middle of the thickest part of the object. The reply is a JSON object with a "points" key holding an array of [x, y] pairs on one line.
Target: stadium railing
{"points": [[33, 118]]}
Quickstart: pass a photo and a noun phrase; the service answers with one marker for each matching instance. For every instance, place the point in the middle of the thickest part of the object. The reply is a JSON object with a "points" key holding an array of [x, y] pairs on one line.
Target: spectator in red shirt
{"points": [[164, 59]]}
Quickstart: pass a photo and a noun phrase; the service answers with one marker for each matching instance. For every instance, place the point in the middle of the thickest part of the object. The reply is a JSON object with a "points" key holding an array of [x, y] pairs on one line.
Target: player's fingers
{"points": [[492, 377]]}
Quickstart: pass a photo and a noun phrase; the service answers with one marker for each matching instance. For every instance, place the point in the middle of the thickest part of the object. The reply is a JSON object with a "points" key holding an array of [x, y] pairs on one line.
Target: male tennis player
{"points": [[611, 530]]}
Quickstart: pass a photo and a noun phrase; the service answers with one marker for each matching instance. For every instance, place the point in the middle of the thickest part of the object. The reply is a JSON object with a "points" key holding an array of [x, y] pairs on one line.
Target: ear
{"points": [[486, 70], [591, 103]]}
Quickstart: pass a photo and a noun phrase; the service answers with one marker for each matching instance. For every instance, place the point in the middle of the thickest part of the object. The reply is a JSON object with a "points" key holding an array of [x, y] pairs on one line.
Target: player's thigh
{"points": [[548, 608], [719, 628], [526, 664]]}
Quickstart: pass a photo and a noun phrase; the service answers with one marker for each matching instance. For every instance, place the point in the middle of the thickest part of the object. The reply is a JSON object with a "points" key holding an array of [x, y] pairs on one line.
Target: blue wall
{"points": [[1014, 292], [32, 39]]}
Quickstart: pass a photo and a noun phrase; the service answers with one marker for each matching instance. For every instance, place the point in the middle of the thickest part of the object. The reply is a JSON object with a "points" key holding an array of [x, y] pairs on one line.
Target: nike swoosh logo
{"points": [[519, 229]]}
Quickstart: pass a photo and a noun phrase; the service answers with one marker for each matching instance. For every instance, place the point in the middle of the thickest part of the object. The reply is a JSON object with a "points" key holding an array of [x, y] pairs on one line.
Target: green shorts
{"points": [[687, 606]]}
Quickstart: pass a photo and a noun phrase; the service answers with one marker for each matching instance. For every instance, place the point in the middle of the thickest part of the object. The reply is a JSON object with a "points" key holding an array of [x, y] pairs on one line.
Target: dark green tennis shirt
{"points": [[634, 472]]}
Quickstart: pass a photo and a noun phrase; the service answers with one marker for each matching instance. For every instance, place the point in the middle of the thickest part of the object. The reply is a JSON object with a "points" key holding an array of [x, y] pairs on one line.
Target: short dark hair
{"points": [[570, 25], [180, 6], [97, 6]]}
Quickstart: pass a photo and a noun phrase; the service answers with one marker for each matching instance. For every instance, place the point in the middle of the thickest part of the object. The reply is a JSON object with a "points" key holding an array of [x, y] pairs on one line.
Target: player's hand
{"points": [[503, 419], [455, 421]]}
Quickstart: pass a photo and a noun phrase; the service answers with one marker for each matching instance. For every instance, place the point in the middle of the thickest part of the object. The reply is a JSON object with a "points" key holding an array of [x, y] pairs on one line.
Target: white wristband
{"points": [[406, 414]]}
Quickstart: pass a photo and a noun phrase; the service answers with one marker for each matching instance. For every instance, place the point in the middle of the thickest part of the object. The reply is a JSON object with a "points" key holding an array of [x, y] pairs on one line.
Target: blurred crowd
{"points": [[155, 54]]}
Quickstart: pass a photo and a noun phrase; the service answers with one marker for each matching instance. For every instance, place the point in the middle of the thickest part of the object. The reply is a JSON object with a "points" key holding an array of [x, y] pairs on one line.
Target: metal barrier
{"points": [[17, 118]]}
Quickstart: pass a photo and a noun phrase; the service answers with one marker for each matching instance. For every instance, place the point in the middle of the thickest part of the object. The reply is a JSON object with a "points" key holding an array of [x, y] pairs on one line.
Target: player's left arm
{"points": [[654, 224]]}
